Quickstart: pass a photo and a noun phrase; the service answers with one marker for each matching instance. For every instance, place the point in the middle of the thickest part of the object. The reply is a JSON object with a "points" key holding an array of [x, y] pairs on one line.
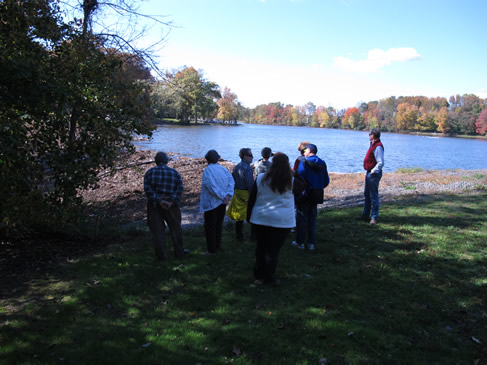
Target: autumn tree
{"points": [[387, 111], [407, 116], [323, 119], [426, 120], [352, 118], [442, 121], [227, 106], [481, 123]]}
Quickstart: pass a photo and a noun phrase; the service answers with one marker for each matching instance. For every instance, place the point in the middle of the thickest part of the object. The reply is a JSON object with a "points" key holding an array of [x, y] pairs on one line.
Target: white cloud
{"points": [[377, 59]]}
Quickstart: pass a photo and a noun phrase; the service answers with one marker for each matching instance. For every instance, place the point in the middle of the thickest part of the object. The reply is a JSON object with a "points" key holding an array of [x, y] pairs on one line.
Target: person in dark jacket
{"points": [[373, 163], [244, 179], [314, 172]]}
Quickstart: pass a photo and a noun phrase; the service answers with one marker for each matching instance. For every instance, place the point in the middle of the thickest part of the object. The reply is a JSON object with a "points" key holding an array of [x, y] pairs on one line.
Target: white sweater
{"points": [[216, 183], [272, 208]]}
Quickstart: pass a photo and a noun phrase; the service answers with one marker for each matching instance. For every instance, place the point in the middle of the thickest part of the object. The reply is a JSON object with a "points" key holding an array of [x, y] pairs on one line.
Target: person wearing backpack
{"points": [[314, 172]]}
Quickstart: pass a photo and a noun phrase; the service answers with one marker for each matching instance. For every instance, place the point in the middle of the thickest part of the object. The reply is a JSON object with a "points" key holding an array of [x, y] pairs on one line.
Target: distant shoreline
{"points": [[239, 123]]}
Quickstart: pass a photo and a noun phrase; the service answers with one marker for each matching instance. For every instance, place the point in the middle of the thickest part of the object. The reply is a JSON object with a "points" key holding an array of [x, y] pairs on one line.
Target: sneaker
{"points": [[294, 243], [301, 246], [311, 247], [373, 221], [362, 218]]}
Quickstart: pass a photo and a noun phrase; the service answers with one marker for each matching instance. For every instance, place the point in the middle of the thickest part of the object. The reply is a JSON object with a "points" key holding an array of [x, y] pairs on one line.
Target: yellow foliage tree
{"points": [[407, 116], [442, 121]]}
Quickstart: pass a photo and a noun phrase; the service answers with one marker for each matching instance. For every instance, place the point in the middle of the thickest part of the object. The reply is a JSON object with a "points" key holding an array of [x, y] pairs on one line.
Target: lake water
{"points": [[343, 150]]}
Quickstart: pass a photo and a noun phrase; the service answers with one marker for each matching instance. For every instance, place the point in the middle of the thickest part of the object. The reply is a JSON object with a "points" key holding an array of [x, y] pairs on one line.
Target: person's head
{"points": [[374, 133], [302, 146], [246, 154], [280, 174], [161, 158], [212, 156], [310, 150], [266, 153]]}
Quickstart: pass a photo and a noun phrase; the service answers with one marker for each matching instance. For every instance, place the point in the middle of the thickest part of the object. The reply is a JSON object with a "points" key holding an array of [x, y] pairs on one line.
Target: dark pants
{"points": [[306, 223], [269, 243], [239, 230], [157, 219], [213, 228]]}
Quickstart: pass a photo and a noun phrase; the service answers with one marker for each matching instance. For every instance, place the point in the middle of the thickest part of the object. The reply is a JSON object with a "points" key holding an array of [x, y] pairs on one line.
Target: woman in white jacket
{"points": [[216, 192], [271, 211]]}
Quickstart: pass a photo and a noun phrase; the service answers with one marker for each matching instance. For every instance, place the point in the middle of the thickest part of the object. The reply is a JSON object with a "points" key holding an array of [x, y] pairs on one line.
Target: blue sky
{"points": [[330, 52]]}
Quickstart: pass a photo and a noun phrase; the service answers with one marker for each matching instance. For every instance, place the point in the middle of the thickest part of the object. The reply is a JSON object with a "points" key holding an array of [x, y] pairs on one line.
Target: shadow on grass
{"points": [[409, 290]]}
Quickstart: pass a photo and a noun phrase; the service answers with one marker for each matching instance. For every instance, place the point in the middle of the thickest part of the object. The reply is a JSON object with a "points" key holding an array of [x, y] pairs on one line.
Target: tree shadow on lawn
{"points": [[367, 294]]}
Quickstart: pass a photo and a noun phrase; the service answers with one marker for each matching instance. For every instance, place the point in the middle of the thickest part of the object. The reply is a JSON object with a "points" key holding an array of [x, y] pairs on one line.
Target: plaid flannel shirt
{"points": [[162, 182]]}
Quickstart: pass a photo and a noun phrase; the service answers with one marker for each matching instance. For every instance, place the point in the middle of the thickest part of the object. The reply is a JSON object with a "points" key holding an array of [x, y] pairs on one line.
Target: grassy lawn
{"points": [[411, 290]]}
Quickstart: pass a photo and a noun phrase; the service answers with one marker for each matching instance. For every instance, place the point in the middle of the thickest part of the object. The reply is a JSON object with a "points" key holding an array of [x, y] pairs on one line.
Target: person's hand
{"points": [[164, 204], [227, 199]]}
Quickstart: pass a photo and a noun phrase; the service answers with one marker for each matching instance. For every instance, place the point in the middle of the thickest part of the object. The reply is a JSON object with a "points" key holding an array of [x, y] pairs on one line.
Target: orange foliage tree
{"points": [[352, 118]]}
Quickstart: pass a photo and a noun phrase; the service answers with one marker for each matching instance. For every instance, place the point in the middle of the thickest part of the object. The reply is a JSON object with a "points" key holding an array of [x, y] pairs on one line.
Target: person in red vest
{"points": [[373, 164]]}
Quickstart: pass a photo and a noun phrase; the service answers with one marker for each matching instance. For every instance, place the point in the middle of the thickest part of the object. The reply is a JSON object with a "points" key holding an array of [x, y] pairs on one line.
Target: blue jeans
{"points": [[306, 222], [371, 194]]}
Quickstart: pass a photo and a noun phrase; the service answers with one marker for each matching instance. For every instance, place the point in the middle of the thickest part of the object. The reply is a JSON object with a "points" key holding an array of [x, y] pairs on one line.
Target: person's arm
{"points": [[326, 176], [230, 188], [249, 179], [379, 157], [151, 194], [178, 181]]}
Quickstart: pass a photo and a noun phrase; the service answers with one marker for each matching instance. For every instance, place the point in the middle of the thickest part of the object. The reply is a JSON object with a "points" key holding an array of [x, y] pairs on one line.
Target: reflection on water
{"points": [[342, 150]]}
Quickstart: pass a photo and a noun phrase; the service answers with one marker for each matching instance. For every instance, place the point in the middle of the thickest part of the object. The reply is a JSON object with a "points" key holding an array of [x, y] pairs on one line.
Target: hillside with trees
{"points": [[462, 115]]}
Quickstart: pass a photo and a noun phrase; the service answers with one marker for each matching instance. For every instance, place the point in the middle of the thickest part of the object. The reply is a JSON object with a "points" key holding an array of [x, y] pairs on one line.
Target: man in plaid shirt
{"points": [[164, 187]]}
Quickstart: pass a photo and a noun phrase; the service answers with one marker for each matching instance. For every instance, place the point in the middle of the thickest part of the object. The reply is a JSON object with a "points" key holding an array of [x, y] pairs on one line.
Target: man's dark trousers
{"points": [[157, 220]]}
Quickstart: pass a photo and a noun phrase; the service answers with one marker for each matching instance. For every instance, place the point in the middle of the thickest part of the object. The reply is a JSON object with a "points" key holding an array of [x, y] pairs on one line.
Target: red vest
{"points": [[369, 160]]}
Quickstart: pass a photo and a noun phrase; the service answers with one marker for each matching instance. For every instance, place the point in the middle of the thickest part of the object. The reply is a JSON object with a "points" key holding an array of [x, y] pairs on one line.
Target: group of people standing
{"points": [[277, 201]]}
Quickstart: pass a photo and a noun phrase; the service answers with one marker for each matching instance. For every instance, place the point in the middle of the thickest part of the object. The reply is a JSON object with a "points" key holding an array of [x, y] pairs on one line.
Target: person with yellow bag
{"points": [[244, 179]]}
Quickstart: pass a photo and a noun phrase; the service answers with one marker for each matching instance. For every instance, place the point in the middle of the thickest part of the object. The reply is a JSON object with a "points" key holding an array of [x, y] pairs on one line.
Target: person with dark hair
{"points": [[373, 164], [314, 172], [271, 212], [264, 163], [244, 179], [216, 192], [164, 188]]}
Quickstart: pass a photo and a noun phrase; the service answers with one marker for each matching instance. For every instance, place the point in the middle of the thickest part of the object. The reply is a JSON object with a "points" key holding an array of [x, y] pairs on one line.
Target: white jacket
{"points": [[216, 183], [272, 208]]}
